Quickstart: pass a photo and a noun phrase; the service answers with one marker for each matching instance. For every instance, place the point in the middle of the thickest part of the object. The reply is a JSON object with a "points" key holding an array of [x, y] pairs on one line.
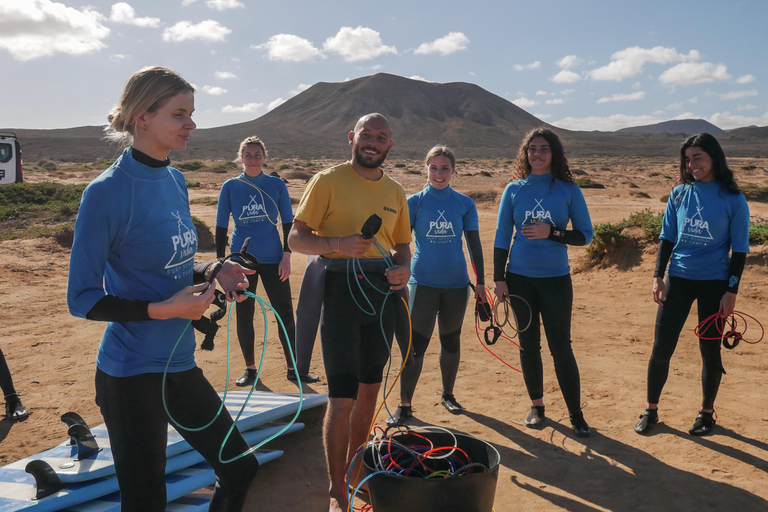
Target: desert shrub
{"points": [[103, 163], [606, 241], [32, 210], [79, 168], [578, 172], [48, 165], [485, 173], [229, 165], [758, 234], [755, 193], [298, 175], [206, 201], [749, 167], [631, 185], [482, 195], [664, 198], [399, 165], [192, 165], [192, 183], [283, 167], [414, 171], [639, 193], [654, 174], [648, 221], [588, 183], [205, 239]]}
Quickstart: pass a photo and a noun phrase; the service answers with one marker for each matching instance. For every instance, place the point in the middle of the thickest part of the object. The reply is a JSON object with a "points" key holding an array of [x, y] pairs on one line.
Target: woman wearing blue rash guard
{"points": [[439, 284], [536, 208], [254, 200], [132, 265], [706, 219]]}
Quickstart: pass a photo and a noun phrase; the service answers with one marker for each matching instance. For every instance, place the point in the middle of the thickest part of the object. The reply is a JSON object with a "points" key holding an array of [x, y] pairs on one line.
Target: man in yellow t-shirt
{"points": [[328, 221]]}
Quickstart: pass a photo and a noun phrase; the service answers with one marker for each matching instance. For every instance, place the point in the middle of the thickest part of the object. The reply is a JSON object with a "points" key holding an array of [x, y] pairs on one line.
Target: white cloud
{"points": [[630, 61], [542, 116], [565, 77], [213, 90], [124, 13], [223, 5], [288, 47], [605, 124], [274, 104], [356, 44], [524, 102], [208, 30], [185, 3], [541, 93], [569, 61], [726, 120], [555, 101], [675, 106], [693, 100], [116, 57], [248, 108], [300, 88], [224, 75], [745, 79], [637, 85], [634, 96], [566, 92], [737, 95], [417, 77], [688, 73], [31, 29], [446, 45], [746, 107], [533, 65]]}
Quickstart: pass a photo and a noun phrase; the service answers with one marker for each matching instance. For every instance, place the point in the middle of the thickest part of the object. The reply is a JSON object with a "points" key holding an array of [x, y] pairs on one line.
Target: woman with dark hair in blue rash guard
{"points": [[439, 284], [254, 200], [537, 207], [706, 219], [132, 265]]}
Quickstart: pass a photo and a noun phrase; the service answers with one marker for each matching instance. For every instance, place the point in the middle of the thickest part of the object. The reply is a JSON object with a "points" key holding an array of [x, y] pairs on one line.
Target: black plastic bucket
{"points": [[471, 493]]}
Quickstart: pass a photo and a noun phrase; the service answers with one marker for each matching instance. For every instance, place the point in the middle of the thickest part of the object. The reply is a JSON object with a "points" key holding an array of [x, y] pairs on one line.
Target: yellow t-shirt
{"points": [[338, 201]]}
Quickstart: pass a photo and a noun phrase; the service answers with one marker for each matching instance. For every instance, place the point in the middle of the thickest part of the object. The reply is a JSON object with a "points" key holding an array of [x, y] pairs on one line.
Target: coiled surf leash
{"points": [[488, 311], [248, 261], [727, 327]]}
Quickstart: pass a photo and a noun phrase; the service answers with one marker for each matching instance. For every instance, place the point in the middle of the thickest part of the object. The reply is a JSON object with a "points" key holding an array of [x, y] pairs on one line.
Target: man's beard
{"points": [[375, 164]]}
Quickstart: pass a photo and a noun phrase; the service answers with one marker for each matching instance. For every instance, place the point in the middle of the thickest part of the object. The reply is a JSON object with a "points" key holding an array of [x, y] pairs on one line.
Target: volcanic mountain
{"points": [[685, 126]]}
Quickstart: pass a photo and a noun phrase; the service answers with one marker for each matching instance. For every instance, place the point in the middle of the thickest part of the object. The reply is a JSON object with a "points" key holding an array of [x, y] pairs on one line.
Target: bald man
{"points": [[328, 221]]}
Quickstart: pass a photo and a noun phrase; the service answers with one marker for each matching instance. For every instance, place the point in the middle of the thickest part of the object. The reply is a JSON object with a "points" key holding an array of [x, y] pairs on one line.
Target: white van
{"points": [[10, 159]]}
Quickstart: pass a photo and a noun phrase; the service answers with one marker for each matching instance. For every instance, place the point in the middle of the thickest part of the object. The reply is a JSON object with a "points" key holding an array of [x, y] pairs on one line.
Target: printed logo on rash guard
{"points": [[440, 229], [538, 213], [184, 247], [253, 211], [696, 229]]}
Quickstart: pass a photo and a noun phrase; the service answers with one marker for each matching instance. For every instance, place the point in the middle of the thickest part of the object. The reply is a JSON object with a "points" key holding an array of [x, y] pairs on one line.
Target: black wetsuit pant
{"points": [[279, 295], [447, 306], [137, 423], [356, 335], [670, 320], [551, 301], [6, 381]]}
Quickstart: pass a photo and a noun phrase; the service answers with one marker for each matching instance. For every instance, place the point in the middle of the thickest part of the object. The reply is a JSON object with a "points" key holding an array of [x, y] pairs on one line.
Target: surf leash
{"points": [[728, 328]]}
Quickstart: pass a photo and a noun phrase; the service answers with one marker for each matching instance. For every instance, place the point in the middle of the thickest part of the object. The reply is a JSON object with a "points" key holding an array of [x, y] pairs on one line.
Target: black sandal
{"points": [[535, 418], [450, 403], [705, 422], [14, 409], [647, 419], [580, 427], [248, 378], [402, 413]]}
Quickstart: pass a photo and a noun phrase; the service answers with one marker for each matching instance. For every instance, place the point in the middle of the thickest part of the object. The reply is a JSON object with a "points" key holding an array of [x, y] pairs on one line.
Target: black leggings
{"points": [[447, 306], [551, 300], [355, 350], [133, 410], [670, 320], [6, 381], [279, 295]]}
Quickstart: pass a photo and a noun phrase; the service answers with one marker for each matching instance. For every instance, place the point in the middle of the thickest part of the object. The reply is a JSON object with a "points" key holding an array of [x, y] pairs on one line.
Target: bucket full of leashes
{"points": [[422, 470]]}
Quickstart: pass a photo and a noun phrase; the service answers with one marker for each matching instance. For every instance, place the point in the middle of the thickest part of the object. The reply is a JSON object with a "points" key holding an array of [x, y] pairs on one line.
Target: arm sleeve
{"points": [[221, 241], [738, 260], [567, 236], [475, 249], [198, 271], [286, 232], [662, 257], [284, 203], [580, 219], [505, 222], [115, 309], [499, 263], [739, 225]]}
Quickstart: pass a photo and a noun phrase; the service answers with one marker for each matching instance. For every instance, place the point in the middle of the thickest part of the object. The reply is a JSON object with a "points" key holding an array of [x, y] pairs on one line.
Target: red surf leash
{"points": [[727, 328]]}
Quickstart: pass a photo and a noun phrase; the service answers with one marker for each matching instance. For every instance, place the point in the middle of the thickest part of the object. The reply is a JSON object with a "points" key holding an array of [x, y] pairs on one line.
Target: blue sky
{"points": [[581, 65]]}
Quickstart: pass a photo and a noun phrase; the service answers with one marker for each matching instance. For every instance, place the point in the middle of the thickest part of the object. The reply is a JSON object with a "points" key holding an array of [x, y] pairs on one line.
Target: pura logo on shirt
{"points": [[538, 213], [253, 210], [184, 245], [696, 229], [441, 228]]}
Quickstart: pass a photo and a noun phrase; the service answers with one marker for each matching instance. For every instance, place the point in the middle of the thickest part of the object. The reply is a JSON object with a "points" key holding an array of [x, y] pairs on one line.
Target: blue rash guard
{"points": [[705, 222], [438, 219], [537, 198], [134, 239], [254, 211]]}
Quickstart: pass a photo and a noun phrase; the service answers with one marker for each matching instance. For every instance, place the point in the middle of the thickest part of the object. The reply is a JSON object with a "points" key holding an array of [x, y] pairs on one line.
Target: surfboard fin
{"points": [[72, 418], [86, 442], [47, 481]]}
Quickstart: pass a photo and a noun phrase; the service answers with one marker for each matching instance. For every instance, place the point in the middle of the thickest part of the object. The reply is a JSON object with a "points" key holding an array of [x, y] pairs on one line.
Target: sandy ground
{"points": [[52, 358]]}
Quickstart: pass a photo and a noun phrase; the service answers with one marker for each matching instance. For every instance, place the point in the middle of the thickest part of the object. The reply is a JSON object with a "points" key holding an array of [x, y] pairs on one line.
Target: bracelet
{"points": [[338, 245]]}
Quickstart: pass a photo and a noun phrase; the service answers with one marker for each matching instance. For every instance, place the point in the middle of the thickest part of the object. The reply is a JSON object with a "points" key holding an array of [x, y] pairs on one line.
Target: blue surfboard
{"points": [[177, 485], [262, 407], [18, 491]]}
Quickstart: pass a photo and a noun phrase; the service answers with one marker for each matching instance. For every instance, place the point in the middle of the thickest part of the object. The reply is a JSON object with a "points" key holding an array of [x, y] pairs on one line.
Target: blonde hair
{"points": [[440, 150], [253, 139], [145, 91]]}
